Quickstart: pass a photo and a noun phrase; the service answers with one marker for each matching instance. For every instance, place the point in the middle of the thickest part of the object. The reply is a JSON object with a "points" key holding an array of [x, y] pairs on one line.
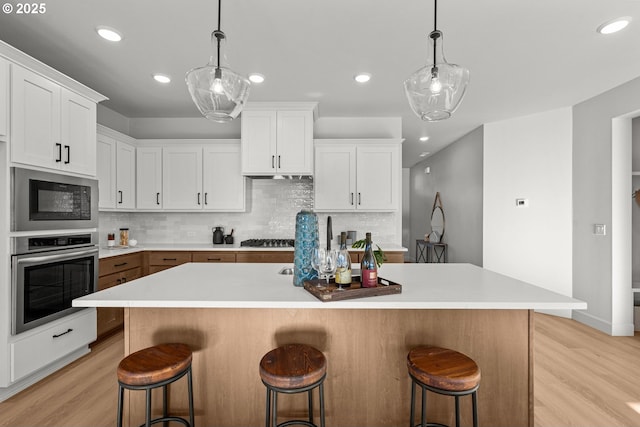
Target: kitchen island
{"points": [[231, 314]]}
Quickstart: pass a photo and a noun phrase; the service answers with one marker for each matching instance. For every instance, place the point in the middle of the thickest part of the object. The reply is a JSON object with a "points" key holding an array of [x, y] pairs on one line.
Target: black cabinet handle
{"points": [[121, 264], [124, 279], [351, 199], [64, 333], [214, 259], [59, 146], [205, 199], [198, 198], [68, 150], [120, 194], [118, 281], [359, 199], [157, 198], [273, 159], [169, 259], [279, 162]]}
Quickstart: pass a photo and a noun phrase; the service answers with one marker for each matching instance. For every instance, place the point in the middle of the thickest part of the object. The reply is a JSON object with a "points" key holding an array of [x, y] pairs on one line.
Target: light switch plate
{"points": [[522, 203], [600, 229]]}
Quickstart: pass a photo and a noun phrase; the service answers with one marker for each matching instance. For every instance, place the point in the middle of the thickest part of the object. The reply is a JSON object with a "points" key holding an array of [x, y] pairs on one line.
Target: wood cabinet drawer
{"points": [[265, 256], [109, 318], [119, 263], [219, 256], [115, 279], [169, 257], [37, 350], [392, 257]]}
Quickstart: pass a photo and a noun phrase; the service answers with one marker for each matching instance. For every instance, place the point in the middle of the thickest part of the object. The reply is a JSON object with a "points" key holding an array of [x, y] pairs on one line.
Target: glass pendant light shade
{"points": [[435, 91], [219, 92]]}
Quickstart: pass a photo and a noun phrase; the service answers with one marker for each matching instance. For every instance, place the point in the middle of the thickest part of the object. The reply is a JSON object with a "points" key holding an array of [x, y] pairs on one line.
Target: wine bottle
{"points": [[343, 272], [368, 266]]}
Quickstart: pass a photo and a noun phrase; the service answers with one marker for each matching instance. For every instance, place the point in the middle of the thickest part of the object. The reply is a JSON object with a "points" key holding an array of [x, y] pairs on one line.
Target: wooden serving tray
{"points": [[324, 293]]}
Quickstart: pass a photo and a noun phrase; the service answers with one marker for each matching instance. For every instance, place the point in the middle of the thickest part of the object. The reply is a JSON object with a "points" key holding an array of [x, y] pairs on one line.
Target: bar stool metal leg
{"points": [[457, 411], [148, 417], [424, 408], [310, 396], [191, 410], [120, 399]]}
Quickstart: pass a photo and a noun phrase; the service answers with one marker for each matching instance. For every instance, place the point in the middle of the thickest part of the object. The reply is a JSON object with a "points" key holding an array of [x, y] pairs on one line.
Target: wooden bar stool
{"points": [[293, 368], [155, 367], [442, 371]]}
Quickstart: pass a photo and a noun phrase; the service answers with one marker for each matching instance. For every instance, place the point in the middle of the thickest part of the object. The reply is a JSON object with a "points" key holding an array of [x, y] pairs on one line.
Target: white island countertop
{"points": [[251, 285]]}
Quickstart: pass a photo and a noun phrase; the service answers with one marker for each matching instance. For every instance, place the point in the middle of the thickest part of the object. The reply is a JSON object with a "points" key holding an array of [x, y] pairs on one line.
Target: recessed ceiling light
{"points": [[162, 78], [424, 138], [614, 25], [424, 154], [108, 33], [362, 77], [256, 78]]}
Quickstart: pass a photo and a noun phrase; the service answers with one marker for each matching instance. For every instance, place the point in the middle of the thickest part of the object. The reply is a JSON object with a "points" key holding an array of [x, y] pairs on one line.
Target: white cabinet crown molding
{"points": [[103, 130], [288, 106], [14, 55]]}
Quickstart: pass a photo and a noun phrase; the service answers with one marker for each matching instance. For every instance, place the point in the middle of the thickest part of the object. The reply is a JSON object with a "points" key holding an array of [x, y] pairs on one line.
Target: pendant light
{"points": [[435, 91], [219, 92]]}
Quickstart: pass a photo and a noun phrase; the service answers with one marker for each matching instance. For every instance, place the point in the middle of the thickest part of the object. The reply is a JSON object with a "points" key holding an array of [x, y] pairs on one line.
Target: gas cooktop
{"points": [[268, 243]]}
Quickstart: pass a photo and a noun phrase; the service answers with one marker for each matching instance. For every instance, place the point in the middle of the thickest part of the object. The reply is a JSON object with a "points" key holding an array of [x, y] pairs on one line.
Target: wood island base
{"points": [[367, 382]]}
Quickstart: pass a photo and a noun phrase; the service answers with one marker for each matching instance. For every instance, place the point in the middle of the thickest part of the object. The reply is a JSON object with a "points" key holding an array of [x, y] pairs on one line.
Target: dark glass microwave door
{"points": [[56, 201], [50, 288]]}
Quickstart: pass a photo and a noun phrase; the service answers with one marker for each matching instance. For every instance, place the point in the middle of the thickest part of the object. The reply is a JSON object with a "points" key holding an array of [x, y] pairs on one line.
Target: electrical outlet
{"points": [[522, 203], [600, 229]]}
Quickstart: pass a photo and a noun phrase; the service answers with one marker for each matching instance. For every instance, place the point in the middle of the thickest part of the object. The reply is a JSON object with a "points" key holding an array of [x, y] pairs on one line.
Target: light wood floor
{"points": [[582, 378]]}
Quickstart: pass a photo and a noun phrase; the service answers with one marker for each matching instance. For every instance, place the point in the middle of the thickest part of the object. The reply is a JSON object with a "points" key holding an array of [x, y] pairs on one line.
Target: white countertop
{"points": [[108, 252], [254, 285]]}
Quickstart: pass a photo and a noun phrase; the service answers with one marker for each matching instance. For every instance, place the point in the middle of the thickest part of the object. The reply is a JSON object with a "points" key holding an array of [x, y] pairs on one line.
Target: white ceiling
{"points": [[525, 56]]}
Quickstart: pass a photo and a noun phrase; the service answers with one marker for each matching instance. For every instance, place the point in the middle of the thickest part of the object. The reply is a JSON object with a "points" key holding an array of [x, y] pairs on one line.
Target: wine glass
{"points": [[324, 262]]}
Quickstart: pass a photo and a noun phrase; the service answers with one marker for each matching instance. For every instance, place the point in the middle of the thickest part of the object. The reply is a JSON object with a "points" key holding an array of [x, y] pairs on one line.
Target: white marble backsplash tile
{"points": [[271, 213]]}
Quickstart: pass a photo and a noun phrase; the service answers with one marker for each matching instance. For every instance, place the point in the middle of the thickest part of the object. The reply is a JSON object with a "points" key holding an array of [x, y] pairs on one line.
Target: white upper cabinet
{"points": [[203, 177], [357, 175], [277, 138], [149, 178], [51, 127], [116, 170], [182, 177], [4, 100], [78, 133], [106, 171], [223, 183], [35, 119], [125, 176]]}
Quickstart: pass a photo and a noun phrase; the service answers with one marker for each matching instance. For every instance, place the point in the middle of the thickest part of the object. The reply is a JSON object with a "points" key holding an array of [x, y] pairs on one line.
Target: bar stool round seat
{"points": [[155, 367], [293, 368], [443, 371]]}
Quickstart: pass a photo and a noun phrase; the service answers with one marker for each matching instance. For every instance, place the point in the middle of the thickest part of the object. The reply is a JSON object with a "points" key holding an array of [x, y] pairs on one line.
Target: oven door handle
{"points": [[60, 257]]}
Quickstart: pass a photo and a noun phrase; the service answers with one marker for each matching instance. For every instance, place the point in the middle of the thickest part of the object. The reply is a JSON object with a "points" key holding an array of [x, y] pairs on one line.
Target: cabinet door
{"points": [[182, 177], [126, 176], [149, 177], [35, 119], [294, 142], [223, 183], [4, 100], [335, 177], [258, 142], [377, 178], [106, 170], [78, 133]]}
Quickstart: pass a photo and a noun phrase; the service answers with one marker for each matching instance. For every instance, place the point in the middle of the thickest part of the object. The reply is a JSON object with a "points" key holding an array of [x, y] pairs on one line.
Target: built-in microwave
{"points": [[51, 201]]}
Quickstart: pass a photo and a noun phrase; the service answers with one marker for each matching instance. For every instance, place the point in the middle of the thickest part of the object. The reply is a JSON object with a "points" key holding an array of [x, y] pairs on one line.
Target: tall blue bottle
{"points": [[306, 242]]}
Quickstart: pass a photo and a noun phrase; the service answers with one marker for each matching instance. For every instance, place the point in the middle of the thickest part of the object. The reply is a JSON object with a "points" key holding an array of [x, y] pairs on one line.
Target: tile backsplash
{"points": [[272, 206]]}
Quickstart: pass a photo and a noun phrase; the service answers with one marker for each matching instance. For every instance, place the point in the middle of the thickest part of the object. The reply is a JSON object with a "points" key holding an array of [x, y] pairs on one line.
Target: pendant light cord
{"points": [[219, 35], [435, 29]]}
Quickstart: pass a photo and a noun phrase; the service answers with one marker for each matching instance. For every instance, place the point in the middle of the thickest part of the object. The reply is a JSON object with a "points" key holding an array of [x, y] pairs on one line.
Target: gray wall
{"points": [[635, 208], [456, 173], [593, 203]]}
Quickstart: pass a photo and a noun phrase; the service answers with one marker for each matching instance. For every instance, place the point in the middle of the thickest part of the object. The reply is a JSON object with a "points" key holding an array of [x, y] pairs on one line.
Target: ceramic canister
{"points": [[306, 242]]}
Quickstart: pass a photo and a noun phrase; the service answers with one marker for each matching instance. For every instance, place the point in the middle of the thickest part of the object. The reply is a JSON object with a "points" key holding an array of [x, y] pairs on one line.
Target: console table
{"points": [[431, 252]]}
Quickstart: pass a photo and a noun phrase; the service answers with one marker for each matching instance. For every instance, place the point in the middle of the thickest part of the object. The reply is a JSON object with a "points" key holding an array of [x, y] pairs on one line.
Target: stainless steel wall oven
{"points": [[48, 272], [50, 201]]}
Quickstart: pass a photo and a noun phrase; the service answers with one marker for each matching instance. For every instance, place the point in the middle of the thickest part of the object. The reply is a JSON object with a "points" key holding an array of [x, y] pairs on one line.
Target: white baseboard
{"points": [[618, 330]]}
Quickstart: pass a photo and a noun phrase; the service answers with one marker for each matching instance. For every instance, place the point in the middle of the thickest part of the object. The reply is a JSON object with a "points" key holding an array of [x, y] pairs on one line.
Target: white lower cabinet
{"points": [[357, 175], [203, 177], [37, 350], [116, 170]]}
